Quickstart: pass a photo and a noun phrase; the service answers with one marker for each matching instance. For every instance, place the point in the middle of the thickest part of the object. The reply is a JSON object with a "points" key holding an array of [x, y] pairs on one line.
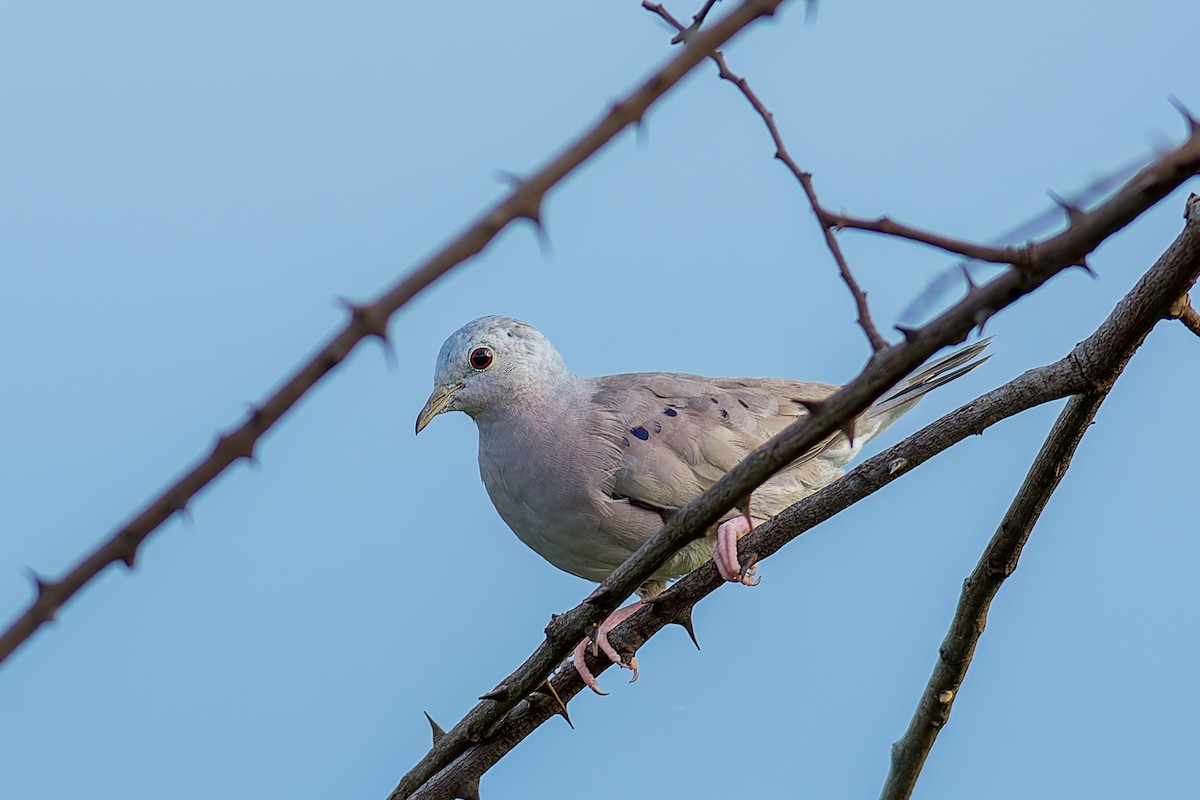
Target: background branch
{"points": [[865, 320], [1091, 366], [999, 560], [889, 227], [370, 320]]}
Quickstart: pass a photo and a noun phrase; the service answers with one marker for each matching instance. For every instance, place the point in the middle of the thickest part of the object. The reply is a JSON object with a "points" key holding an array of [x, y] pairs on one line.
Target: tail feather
{"points": [[929, 377]]}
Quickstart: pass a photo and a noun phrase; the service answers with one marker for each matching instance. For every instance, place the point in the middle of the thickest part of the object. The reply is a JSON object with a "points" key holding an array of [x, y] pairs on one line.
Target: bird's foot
{"points": [[726, 552], [577, 657]]}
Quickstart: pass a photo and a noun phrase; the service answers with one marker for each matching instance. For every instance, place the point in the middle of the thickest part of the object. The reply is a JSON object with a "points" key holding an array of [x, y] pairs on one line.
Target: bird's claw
{"points": [[600, 642], [725, 554]]}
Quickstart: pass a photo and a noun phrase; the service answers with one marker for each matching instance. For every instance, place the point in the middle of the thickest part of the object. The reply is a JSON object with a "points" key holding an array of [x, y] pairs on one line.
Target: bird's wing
{"points": [[678, 434]]}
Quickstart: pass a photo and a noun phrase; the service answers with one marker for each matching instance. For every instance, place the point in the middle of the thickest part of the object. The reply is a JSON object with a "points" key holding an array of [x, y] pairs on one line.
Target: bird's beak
{"points": [[436, 404]]}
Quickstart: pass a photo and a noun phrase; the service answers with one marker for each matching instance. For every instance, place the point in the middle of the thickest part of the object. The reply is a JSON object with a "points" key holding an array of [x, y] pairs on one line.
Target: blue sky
{"points": [[184, 191]]}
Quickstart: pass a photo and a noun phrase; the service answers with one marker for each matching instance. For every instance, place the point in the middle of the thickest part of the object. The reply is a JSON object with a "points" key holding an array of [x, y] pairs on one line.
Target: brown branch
{"points": [[1046, 259], [1091, 367], [1185, 312], [886, 225], [999, 560], [865, 321], [371, 320]]}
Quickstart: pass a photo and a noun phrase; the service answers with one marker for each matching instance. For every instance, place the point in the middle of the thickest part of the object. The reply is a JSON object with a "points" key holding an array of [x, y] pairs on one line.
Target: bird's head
{"points": [[491, 362]]}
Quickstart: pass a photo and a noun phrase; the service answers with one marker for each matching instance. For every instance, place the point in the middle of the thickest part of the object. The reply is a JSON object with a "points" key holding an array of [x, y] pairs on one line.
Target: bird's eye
{"points": [[481, 358]]}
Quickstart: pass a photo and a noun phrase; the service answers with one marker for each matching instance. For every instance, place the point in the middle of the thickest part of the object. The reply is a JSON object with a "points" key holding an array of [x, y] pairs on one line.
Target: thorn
{"points": [[499, 693], [849, 431], [811, 406], [511, 178], [40, 584], [641, 132], [539, 229], [981, 317], [547, 689], [966, 273], [184, 513], [683, 618], [1192, 123], [438, 731], [230, 441], [1083, 265], [129, 557], [909, 333], [373, 324], [1074, 213], [254, 415]]}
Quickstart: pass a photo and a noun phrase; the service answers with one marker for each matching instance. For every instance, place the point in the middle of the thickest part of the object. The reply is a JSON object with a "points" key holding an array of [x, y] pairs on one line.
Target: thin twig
{"points": [[370, 320], [886, 225], [1185, 312], [865, 321], [1091, 367], [999, 560]]}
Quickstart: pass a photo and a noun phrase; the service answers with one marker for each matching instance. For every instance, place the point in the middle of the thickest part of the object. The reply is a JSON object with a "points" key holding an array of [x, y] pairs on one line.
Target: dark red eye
{"points": [[481, 358]]}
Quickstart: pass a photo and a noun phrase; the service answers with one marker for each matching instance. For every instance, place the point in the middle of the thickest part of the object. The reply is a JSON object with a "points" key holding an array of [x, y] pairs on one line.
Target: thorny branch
{"points": [[1090, 368], [524, 201], [886, 225], [1045, 259], [1185, 312], [999, 560], [781, 152]]}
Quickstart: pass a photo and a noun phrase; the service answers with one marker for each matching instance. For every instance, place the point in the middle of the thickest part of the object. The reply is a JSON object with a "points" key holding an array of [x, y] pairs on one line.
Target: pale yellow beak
{"points": [[436, 404]]}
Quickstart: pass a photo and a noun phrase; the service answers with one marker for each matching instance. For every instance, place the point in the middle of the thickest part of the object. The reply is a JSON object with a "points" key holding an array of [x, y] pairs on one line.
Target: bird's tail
{"points": [[929, 377]]}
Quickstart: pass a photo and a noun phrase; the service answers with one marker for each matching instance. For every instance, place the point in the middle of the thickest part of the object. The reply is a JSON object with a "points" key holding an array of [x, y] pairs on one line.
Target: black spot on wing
{"points": [[724, 414], [625, 441], [640, 433], [670, 412], [657, 428], [742, 403]]}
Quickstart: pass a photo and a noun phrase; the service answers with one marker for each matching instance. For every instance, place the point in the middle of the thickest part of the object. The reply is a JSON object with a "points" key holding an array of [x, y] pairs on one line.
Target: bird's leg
{"points": [[577, 657], [726, 552]]}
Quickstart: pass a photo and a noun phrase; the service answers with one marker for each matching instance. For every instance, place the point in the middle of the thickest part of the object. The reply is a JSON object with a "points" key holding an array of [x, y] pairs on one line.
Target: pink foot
{"points": [[577, 657], [726, 552]]}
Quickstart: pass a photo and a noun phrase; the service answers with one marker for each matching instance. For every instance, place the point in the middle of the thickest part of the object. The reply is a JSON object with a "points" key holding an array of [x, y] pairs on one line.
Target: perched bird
{"points": [[584, 470]]}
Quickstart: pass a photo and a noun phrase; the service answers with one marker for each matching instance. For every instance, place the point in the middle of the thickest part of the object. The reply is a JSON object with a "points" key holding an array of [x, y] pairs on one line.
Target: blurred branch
{"points": [[524, 201], [781, 152], [999, 560], [1185, 312], [1090, 368]]}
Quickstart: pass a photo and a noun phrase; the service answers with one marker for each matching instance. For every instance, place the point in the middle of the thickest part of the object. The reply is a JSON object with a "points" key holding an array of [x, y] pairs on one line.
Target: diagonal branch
{"points": [[371, 320], [1091, 367], [781, 152], [999, 560], [1185, 312]]}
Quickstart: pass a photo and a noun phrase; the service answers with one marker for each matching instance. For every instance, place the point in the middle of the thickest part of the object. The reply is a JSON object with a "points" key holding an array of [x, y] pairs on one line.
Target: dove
{"points": [[586, 469]]}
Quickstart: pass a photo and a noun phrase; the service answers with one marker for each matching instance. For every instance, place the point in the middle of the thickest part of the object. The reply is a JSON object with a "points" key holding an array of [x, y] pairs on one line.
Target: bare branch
{"points": [[1091, 367], [1185, 312], [865, 321], [1046, 259], [886, 225], [524, 201], [999, 560]]}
